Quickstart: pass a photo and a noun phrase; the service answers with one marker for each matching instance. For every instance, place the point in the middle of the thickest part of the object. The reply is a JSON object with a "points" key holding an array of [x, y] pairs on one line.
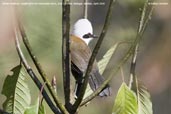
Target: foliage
{"points": [[125, 102], [130, 101], [34, 109], [106, 58], [144, 102], [16, 90], [143, 98], [42, 109]]}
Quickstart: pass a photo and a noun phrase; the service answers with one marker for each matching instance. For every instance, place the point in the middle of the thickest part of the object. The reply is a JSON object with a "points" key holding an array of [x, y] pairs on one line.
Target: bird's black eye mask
{"points": [[89, 35]]}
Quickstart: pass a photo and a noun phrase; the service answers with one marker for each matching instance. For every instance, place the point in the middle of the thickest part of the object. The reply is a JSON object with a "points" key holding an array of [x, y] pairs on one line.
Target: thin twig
{"points": [[143, 24], [122, 74], [122, 62], [33, 76], [85, 9], [65, 51], [40, 69], [133, 63], [93, 56]]}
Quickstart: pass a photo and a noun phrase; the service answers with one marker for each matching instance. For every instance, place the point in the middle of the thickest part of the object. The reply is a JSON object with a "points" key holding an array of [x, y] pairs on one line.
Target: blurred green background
{"points": [[43, 26]]}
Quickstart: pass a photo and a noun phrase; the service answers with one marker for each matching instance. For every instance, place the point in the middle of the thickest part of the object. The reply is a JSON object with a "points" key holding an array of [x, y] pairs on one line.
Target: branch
{"points": [[124, 59], [142, 26], [65, 50], [85, 9], [93, 56], [33, 76], [133, 63], [39, 68]]}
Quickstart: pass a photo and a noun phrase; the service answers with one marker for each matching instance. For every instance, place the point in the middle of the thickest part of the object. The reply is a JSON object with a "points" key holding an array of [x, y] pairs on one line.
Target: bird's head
{"points": [[84, 30]]}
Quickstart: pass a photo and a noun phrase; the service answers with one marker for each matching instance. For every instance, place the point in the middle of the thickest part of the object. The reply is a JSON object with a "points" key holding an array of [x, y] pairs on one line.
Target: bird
{"points": [[81, 35]]}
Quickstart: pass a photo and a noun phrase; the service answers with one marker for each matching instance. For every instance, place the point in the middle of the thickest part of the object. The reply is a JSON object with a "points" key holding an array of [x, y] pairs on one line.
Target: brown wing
{"points": [[80, 53]]}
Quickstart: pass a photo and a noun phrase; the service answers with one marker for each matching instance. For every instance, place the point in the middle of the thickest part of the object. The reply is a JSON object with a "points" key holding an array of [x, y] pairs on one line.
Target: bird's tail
{"points": [[96, 80]]}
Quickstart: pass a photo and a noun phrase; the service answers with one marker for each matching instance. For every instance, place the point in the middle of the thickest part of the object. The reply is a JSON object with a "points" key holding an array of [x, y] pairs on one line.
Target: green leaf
{"points": [[125, 102], [106, 58], [17, 92], [33, 109], [42, 109], [144, 101], [88, 91], [143, 97], [102, 66]]}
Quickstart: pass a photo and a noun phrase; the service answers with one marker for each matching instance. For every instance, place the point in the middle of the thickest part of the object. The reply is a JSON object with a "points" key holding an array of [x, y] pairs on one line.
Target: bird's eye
{"points": [[87, 35]]}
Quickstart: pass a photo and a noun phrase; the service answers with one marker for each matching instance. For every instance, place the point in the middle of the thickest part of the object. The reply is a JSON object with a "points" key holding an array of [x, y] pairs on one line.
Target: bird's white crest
{"points": [[82, 27]]}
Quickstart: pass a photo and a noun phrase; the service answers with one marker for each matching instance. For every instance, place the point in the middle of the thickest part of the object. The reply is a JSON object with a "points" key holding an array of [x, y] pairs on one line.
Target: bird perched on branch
{"points": [[81, 35]]}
